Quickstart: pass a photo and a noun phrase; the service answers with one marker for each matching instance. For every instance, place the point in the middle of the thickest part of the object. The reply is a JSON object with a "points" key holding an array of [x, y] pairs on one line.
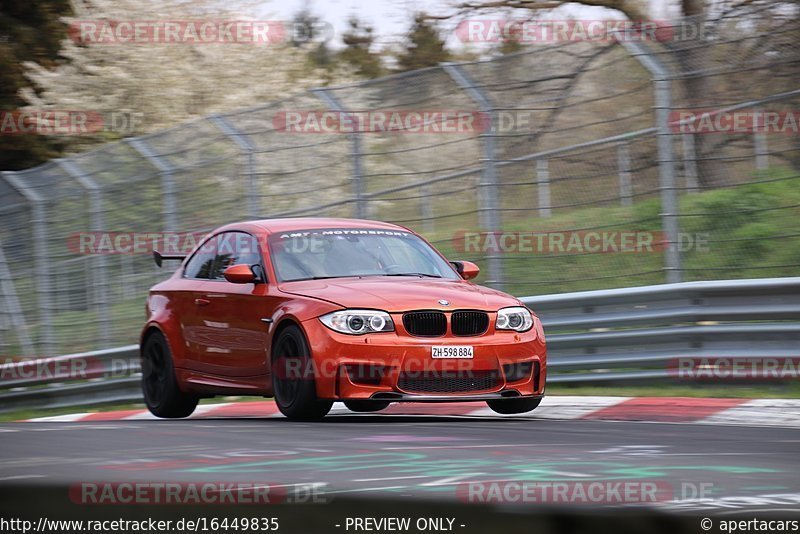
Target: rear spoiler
{"points": [[159, 258]]}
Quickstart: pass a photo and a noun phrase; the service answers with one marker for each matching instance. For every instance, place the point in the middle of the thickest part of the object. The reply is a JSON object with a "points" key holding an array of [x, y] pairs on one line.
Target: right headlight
{"points": [[517, 318], [358, 321]]}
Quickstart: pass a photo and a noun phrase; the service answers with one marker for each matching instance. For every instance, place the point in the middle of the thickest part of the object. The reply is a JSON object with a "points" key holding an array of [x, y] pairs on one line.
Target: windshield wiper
{"points": [[328, 277], [426, 275]]}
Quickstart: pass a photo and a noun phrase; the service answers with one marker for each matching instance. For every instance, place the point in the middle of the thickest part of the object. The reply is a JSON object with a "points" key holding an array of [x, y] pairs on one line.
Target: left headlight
{"points": [[358, 321], [517, 318]]}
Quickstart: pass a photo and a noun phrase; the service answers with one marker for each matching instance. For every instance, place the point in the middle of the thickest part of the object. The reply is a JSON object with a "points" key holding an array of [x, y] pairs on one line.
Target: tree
{"points": [[358, 40], [637, 10], [308, 32], [166, 83], [425, 47], [29, 31]]}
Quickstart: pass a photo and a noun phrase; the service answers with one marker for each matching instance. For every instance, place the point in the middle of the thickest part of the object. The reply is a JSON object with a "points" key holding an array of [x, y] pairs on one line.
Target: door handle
{"points": [[202, 302]]}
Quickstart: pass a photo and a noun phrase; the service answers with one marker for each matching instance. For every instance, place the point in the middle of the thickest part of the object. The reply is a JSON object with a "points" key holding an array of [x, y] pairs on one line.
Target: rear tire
{"points": [[512, 406], [293, 380], [365, 406], [162, 395]]}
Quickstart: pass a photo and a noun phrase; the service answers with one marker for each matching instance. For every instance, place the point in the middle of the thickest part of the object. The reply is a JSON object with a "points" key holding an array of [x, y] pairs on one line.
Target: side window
{"points": [[234, 248], [201, 264]]}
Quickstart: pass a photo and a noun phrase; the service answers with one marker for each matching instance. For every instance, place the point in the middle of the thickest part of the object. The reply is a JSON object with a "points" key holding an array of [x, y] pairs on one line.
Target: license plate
{"points": [[452, 351]]}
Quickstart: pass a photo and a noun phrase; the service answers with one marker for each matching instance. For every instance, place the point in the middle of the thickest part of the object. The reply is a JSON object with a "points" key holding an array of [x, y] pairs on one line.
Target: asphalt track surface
{"points": [[420, 457]]}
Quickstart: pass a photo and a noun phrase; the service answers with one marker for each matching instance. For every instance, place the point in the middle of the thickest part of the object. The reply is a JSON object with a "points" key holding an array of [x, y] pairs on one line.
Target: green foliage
{"points": [[30, 30], [425, 47], [358, 40]]}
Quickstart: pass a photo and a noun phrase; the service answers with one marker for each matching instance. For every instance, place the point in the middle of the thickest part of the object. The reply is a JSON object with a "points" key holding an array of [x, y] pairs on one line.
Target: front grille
{"points": [[469, 323], [447, 381], [425, 324]]}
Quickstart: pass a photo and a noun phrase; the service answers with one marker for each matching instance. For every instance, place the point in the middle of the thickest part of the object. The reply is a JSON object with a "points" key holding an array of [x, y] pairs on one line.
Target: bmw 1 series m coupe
{"points": [[316, 310]]}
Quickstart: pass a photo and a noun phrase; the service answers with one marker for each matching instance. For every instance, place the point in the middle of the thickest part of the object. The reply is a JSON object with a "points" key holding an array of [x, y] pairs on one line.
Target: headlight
{"points": [[358, 321], [517, 318]]}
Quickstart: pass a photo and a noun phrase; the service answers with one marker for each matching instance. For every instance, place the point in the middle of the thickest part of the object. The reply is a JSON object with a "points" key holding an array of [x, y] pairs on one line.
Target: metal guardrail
{"points": [[592, 337], [635, 333]]}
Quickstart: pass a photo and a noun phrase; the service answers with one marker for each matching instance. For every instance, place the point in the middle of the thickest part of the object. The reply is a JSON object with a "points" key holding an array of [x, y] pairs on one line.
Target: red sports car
{"points": [[315, 310]]}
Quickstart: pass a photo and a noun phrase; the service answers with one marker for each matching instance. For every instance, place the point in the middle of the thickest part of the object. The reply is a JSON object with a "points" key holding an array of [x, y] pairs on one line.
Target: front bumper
{"points": [[397, 367]]}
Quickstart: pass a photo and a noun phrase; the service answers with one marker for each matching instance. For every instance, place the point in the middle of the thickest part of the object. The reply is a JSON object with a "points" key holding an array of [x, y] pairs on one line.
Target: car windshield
{"points": [[337, 253]]}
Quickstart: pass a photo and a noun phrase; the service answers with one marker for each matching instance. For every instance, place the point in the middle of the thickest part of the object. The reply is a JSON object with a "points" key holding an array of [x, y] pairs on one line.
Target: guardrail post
{"points": [[46, 340], [167, 171], [334, 104], [543, 184], [488, 188], [666, 159], [99, 277], [246, 147], [689, 162], [624, 172]]}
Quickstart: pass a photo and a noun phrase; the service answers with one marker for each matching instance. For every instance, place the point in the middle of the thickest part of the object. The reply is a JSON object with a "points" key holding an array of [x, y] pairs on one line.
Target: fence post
{"points": [[46, 340], [100, 275], [543, 185], [760, 143], [666, 159], [246, 147], [488, 188], [12, 307], [167, 171], [426, 209], [334, 104], [624, 172], [689, 162]]}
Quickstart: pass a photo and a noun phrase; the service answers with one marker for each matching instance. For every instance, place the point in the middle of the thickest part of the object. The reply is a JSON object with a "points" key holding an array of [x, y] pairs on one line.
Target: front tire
{"points": [[293, 377], [512, 406], [162, 395]]}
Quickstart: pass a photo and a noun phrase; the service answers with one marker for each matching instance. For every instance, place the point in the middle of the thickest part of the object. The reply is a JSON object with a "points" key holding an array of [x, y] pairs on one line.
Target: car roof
{"points": [[313, 223]]}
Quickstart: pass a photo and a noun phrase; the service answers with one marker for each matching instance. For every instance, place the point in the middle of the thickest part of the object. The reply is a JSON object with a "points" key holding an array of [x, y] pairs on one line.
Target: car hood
{"points": [[401, 294]]}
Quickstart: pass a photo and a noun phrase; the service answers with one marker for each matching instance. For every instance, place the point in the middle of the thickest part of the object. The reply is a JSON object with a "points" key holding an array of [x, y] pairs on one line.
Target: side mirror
{"points": [[239, 274], [466, 269]]}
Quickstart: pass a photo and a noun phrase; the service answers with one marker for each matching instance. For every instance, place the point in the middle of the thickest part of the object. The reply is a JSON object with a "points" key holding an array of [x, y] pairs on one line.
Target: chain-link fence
{"points": [[579, 165]]}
